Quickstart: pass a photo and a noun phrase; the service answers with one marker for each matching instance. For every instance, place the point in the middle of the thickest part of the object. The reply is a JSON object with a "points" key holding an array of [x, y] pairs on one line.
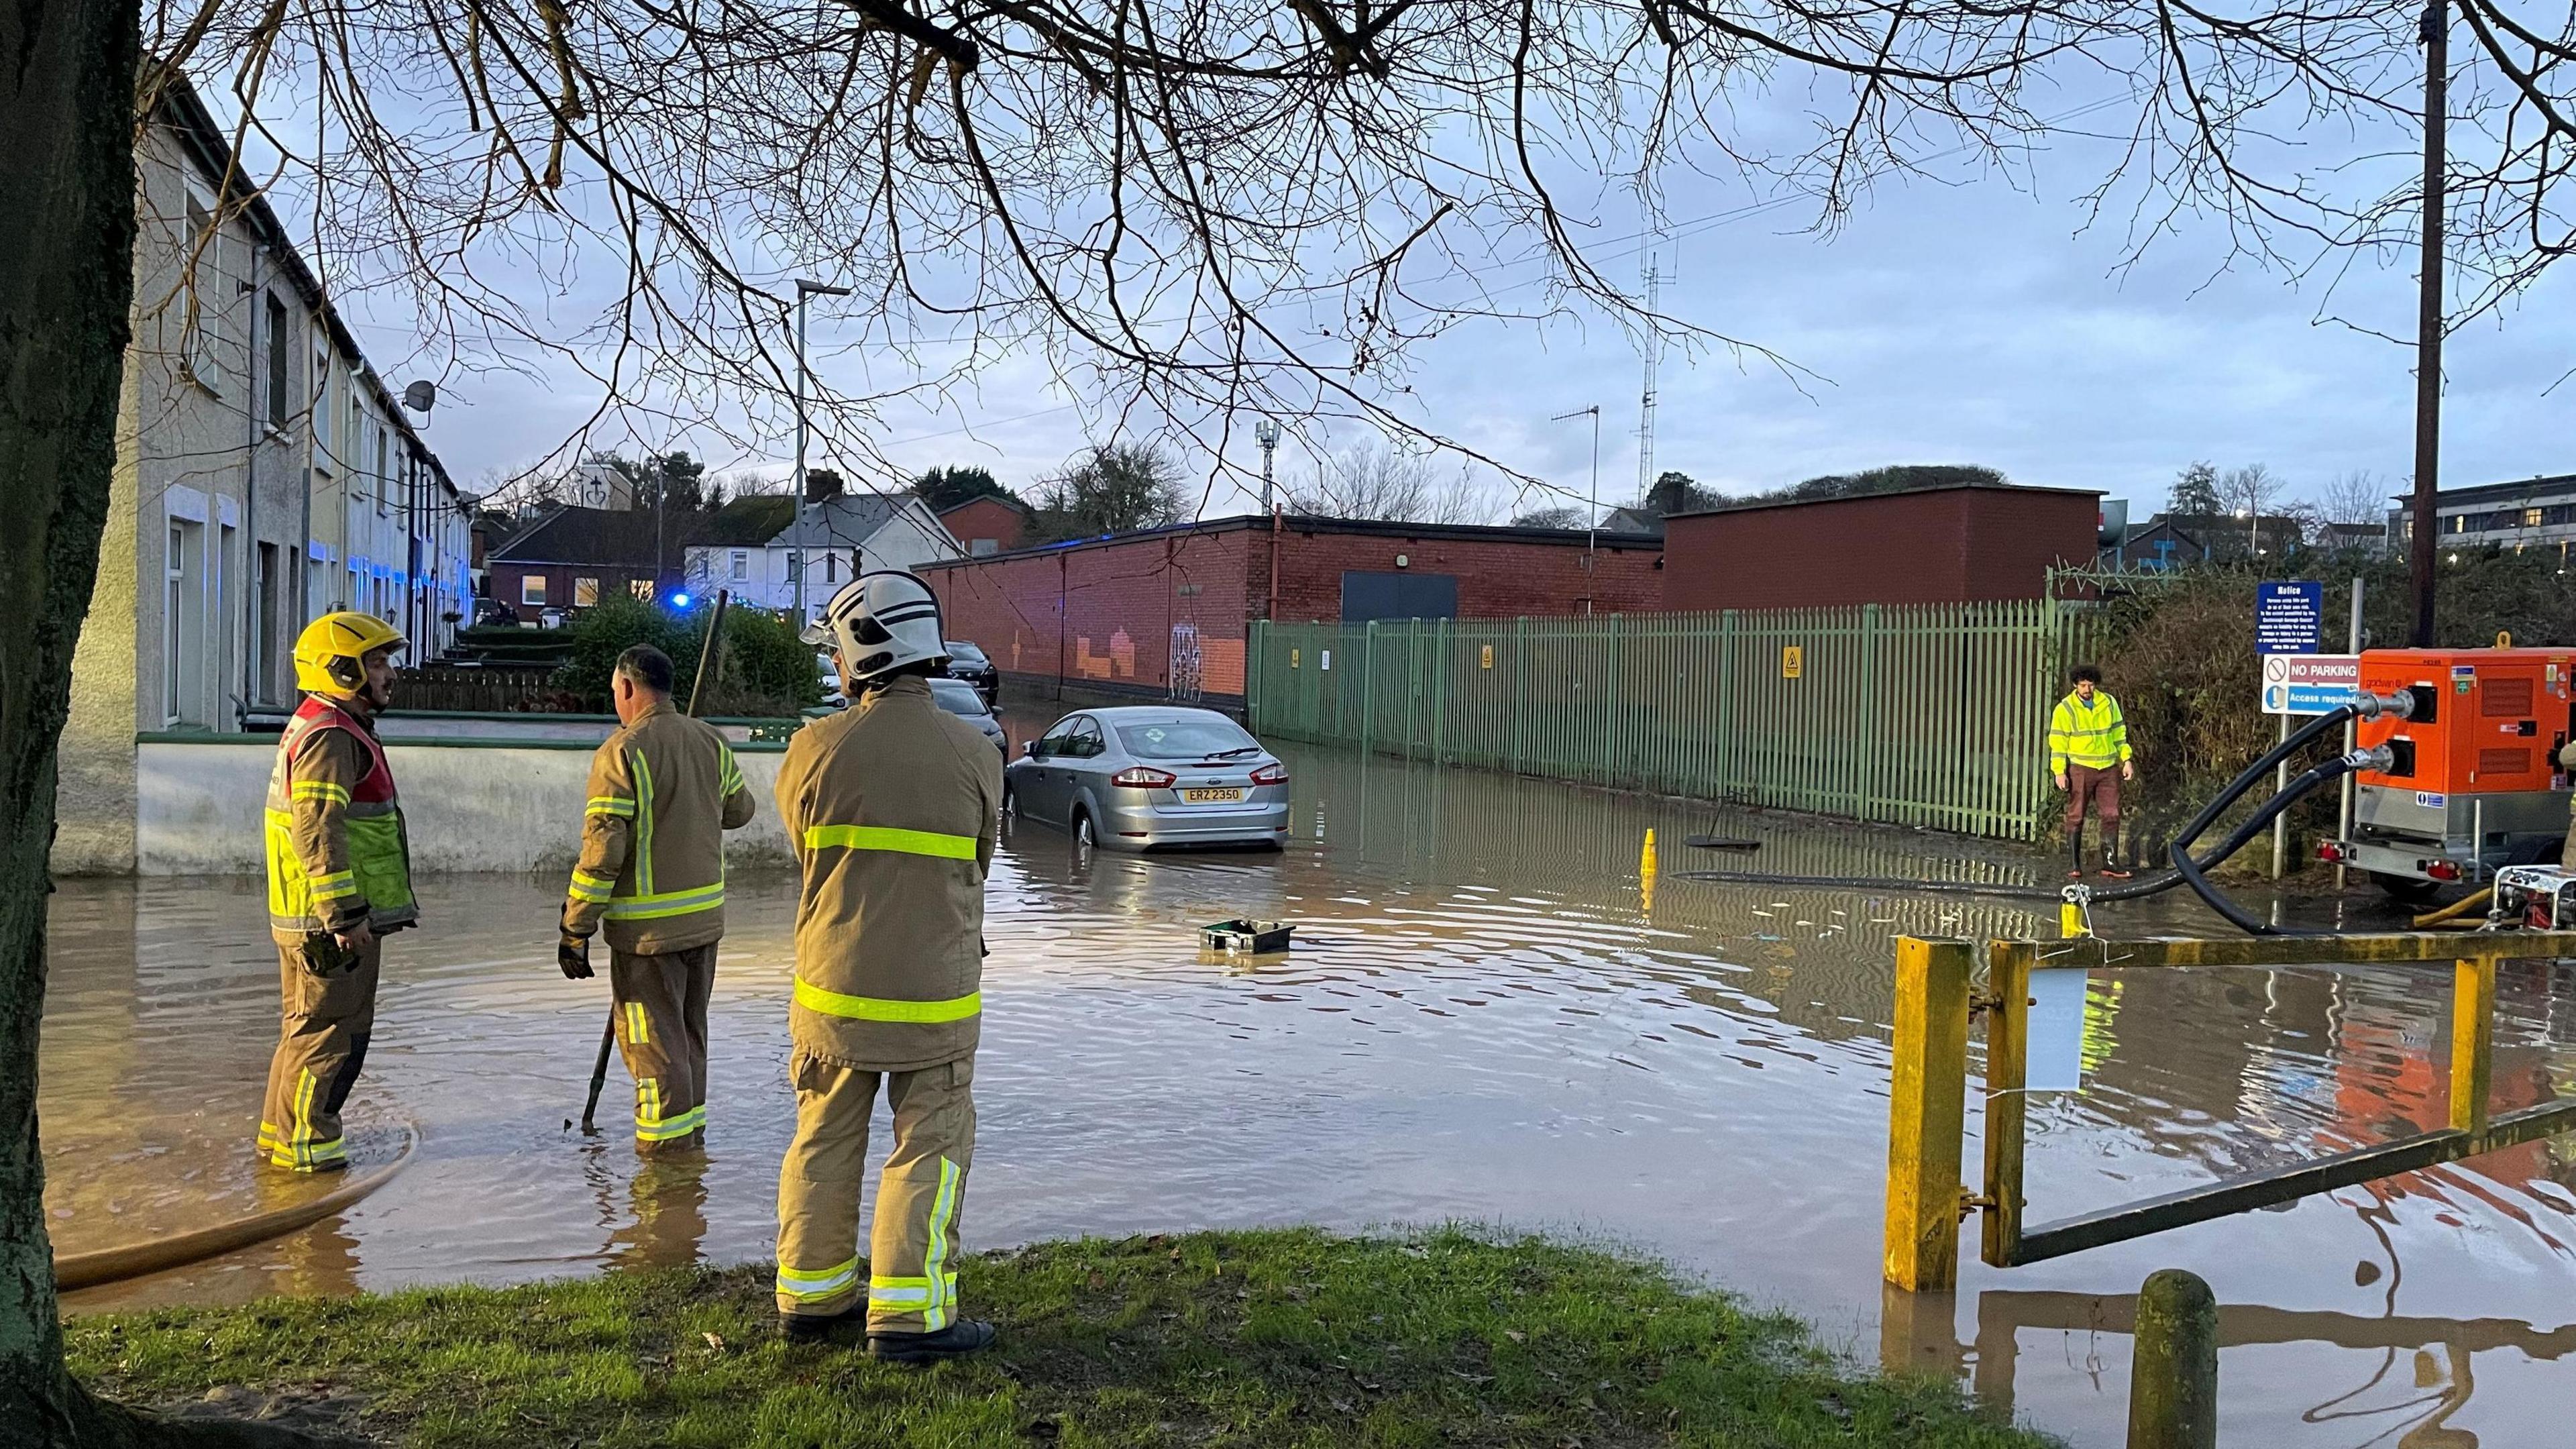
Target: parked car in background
{"points": [[492, 611], [959, 698], [1140, 776], [972, 665]]}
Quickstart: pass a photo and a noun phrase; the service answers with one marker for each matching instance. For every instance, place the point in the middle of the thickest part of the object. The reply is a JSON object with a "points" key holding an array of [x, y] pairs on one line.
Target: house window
{"points": [[182, 626], [205, 293], [321, 398], [831, 560], [641, 588], [983, 546], [2531, 518], [585, 592], [741, 565], [532, 590], [276, 362], [2459, 523]]}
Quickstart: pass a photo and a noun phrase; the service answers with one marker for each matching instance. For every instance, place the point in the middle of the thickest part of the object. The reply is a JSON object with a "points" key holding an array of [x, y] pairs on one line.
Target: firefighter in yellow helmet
{"points": [[339, 879], [891, 807]]}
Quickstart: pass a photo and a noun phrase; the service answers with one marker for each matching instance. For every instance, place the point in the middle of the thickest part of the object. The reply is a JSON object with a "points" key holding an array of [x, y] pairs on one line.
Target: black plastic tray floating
{"points": [[1246, 938], [1722, 842]]}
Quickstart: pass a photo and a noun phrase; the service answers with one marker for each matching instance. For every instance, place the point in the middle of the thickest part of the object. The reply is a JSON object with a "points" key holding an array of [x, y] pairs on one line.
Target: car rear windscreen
{"points": [[1184, 739], [960, 649], [956, 697]]}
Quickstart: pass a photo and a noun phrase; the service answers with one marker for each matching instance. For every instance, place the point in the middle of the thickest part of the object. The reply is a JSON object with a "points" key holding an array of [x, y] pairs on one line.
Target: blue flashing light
{"points": [[680, 601]]}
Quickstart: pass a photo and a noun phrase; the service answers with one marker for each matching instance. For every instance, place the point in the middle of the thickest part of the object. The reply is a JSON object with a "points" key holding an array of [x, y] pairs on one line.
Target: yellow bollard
{"points": [[2070, 921], [1646, 857]]}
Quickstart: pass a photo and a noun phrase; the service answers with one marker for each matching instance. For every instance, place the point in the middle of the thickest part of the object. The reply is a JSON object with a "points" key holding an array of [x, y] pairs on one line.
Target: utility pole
{"points": [[804, 289], [1592, 507], [2428, 320], [1266, 433]]}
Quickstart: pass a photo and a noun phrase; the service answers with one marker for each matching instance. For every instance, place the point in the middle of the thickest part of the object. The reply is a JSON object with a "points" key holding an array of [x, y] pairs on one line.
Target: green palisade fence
{"points": [[1916, 714]]}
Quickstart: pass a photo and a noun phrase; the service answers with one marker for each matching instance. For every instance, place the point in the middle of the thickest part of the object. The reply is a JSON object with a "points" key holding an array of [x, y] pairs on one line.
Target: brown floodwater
{"points": [[1483, 1019]]}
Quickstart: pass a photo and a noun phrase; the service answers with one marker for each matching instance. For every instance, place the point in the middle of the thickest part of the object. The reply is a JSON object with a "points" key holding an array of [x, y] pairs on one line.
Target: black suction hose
{"points": [[2190, 870]]}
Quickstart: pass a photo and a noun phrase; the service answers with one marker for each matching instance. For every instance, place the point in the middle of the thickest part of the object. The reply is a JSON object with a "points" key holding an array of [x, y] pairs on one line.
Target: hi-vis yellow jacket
{"points": [[663, 791], [892, 807], [2094, 735], [337, 854]]}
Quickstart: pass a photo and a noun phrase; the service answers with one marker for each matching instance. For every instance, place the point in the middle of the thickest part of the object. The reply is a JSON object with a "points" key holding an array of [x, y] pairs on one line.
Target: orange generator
{"points": [[2475, 784]]}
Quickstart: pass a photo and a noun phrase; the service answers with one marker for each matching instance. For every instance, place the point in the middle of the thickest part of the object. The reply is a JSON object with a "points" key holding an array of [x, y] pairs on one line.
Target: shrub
{"points": [[766, 670]]}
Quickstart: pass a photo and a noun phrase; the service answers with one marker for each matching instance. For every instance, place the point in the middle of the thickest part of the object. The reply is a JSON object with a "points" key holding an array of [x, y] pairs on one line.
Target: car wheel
{"points": [[1010, 803], [2406, 889], [1083, 838]]}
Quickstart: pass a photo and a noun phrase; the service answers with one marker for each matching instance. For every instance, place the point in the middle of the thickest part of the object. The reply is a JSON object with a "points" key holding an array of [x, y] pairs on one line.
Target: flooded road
{"points": [[1483, 1019]]}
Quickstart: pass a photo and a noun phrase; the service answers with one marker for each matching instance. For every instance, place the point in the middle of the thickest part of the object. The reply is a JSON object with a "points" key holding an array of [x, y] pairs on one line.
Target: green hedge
{"points": [[766, 669]]}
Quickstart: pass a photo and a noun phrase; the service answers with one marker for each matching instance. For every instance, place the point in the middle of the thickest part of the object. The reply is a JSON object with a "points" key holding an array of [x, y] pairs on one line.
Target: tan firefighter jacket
{"points": [[891, 807], [663, 791], [337, 853]]}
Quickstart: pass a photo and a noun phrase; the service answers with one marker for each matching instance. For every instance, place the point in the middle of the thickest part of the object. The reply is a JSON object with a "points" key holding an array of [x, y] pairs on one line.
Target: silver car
{"points": [[1142, 776], [963, 700]]}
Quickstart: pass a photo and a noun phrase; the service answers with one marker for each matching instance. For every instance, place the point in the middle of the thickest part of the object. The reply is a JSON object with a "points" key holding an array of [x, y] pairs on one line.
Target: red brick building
{"points": [[1955, 544], [988, 525], [1129, 613]]}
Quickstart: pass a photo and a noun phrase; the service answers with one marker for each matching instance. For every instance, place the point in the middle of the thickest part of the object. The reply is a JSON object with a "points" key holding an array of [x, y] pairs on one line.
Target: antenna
{"points": [[1646, 400], [1266, 433]]}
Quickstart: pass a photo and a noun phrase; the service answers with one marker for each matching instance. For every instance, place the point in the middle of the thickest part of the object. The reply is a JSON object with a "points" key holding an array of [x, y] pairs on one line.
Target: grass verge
{"points": [[1279, 1338]]}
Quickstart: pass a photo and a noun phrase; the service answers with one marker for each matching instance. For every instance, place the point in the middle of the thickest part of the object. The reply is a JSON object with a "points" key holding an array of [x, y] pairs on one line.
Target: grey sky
{"points": [[1972, 322]]}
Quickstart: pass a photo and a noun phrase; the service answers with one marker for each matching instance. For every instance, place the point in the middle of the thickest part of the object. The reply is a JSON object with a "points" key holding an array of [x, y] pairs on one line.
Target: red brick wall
{"points": [[1497, 578], [1943, 546], [986, 518], [1106, 615]]}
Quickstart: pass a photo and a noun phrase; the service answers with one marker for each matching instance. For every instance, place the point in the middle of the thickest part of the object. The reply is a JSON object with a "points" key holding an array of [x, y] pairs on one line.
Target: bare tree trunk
{"points": [[66, 283], [67, 96]]}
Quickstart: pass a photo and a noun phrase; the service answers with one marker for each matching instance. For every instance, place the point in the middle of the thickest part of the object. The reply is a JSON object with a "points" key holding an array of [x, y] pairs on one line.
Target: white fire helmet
{"points": [[880, 622]]}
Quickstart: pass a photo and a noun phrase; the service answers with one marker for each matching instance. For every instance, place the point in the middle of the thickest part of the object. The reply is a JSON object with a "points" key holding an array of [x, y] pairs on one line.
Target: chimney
{"points": [[822, 485]]}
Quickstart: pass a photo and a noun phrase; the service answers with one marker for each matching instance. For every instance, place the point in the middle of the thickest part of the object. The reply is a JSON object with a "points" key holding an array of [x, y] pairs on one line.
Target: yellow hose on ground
{"points": [[110, 1265], [2454, 910]]}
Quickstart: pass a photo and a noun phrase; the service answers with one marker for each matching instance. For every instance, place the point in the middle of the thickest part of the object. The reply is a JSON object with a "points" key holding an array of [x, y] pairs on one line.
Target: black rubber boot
{"points": [[820, 1327], [2111, 867], [965, 1336], [2075, 840]]}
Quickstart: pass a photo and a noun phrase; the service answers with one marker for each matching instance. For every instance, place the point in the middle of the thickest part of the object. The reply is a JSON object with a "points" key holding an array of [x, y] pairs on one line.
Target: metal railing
{"points": [[1932, 715], [1935, 997]]}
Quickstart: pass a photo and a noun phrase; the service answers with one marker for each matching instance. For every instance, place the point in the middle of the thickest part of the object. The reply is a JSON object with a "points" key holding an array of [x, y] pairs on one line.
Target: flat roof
{"points": [[1299, 523], [1752, 505], [2495, 492]]}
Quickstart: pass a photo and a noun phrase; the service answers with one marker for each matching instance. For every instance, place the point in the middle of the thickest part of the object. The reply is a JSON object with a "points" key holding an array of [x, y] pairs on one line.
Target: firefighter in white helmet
{"points": [[339, 880], [891, 807]]}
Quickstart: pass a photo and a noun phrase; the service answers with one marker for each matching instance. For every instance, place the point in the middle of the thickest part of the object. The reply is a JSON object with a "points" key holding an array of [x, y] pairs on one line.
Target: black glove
{"points": [[572, 953], [323, 954]]}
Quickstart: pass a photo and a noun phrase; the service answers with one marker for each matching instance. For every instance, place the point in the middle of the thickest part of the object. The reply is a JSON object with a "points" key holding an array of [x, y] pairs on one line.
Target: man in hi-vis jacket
{"points": [[663, 791], [892, 808]]}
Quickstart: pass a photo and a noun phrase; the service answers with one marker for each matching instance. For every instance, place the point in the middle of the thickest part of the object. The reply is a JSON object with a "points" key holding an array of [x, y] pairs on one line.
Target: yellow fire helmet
{"points": [[328, 652]]}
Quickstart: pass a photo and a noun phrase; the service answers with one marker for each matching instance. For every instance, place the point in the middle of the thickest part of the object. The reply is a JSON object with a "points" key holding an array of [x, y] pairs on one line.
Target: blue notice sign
{"points": [[2289, 618]]}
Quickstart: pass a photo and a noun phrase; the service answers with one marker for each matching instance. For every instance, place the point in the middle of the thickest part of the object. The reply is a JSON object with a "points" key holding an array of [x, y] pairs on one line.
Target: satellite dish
{"points": [[421, 396]]}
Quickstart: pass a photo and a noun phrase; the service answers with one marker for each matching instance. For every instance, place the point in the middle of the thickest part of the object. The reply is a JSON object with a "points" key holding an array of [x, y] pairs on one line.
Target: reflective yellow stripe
{"points": [[610, 805], [643, 824], [943, 1210], [320, 790], [873, 1008], [886, 837], [911, 1292], [669, 903], [593, 889], [637, 1026], [332, 887], [809, 1287]]}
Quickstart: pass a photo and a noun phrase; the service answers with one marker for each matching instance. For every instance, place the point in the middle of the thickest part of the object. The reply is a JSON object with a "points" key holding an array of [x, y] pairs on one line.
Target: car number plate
{"points": [[1211, 796]]}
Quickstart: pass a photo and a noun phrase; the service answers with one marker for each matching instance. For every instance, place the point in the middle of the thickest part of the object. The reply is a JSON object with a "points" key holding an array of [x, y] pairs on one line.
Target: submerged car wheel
{"points": [[1083, 837]]}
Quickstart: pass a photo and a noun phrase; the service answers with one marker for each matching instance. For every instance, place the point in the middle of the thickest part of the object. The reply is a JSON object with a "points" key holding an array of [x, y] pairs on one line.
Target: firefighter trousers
{"points": [[324, 1021], [913, 1241], [661, 1006]]}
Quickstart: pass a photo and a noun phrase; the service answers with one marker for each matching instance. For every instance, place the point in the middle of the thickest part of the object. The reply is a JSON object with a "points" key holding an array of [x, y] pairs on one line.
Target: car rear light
{"points": [[1143, 777], [2442, 870], [2331, 852], [1270, 775]]}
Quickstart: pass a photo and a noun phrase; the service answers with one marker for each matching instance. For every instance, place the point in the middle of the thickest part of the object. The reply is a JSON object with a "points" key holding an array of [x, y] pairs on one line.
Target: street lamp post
{"points": [[804, 288], [1591, 507]]}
